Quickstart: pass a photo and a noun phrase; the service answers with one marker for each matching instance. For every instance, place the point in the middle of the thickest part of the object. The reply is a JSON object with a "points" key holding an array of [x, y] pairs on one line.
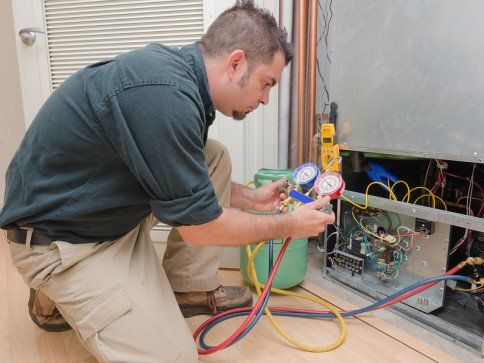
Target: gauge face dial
{"points": [[305, 173], [329, 184]]}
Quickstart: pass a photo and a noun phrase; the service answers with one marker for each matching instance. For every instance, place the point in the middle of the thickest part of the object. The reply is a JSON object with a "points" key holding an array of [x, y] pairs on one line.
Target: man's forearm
{"points": [[234, 228], [241, 197]]}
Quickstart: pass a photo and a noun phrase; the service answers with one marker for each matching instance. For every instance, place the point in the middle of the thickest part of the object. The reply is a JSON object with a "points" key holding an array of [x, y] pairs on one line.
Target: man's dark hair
{"points": [[249, 28]]}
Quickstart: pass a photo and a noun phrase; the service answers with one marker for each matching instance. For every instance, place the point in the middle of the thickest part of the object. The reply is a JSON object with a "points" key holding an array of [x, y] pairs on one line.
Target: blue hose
{"points": [[326, 315], [266, 300], [256, 317]]}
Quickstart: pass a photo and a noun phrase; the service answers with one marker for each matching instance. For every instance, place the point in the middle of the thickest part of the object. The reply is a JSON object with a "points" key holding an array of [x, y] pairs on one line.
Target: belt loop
{"points": [[28, 238]]}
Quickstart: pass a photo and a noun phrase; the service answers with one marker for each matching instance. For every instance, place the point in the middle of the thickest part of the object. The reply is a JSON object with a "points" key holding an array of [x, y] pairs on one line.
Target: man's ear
{"points": [[234, 61]]}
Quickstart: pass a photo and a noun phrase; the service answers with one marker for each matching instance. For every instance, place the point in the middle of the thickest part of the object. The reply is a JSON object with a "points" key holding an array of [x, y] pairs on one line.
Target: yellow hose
{"points": [[253, 276]]}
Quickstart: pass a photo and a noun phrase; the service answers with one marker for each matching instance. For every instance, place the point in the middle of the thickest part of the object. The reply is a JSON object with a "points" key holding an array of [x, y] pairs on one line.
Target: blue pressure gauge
{"points": [[305, 175]]}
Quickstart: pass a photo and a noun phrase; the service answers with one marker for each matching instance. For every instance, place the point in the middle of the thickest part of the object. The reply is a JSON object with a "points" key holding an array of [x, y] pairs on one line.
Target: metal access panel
{"points": [[427, 258], [407, 77]]}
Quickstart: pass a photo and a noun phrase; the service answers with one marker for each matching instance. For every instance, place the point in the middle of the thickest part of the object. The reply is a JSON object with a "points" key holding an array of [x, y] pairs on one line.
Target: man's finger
{"points": [[326, 199], [319, 203], [280, 185]]}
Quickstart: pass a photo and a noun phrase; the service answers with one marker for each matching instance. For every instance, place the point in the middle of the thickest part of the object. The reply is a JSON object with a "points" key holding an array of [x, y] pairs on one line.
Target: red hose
{"points": [[249, 318], [416, 291], [256, 308]]}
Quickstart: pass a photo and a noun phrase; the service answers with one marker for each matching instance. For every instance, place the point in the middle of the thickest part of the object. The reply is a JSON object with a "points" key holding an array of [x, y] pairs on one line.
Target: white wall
{"points": [[12, 123]]}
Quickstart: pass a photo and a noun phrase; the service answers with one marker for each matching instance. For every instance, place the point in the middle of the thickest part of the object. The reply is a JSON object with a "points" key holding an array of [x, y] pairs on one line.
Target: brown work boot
{"points": [[212, 302], [44, 313]]}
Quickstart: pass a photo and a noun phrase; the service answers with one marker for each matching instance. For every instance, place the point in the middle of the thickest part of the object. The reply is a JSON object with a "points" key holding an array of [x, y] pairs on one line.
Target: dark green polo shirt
{"points": [[116, 141]]}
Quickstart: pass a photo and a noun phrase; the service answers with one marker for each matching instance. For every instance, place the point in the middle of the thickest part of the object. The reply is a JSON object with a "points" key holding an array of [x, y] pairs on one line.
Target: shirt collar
{"points": [[193, 57]]}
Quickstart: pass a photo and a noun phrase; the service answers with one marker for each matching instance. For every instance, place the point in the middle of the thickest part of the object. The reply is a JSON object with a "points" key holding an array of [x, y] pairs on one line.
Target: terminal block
{"points": [[348, 262]]}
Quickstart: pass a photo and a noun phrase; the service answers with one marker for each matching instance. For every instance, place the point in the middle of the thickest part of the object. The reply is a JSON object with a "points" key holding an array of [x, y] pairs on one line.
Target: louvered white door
{"points": [[80, 32]]}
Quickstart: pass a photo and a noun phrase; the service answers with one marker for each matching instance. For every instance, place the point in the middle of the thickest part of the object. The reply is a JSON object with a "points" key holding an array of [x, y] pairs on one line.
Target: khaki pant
{"points": [[118, 295]]}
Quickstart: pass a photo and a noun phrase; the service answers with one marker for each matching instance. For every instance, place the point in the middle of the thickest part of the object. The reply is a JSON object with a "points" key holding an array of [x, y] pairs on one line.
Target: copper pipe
{"points": [[293, 90], [301, 78], [313, 13], [280, 14]]}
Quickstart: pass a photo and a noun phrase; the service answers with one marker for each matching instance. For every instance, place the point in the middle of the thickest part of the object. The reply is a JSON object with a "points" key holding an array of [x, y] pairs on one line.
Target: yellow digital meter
{"points": [[329, 151]]}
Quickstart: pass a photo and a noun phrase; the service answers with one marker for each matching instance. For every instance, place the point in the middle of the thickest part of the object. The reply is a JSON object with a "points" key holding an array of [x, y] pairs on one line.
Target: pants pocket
{"points": [[115, 329], [102, 311]]}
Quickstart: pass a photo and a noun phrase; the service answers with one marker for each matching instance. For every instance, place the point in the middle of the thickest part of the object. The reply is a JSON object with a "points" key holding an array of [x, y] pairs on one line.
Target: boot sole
{"points": [[55, 328], [191, 310]]}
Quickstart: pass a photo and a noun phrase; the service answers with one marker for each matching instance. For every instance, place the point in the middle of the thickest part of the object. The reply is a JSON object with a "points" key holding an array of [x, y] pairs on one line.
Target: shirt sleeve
{"points": [[158, 131]]}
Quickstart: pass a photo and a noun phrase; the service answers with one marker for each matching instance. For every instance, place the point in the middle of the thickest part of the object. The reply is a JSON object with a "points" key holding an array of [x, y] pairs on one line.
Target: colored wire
{"points": [[392, 195], [404, 183], [433, 196], [413, 233], [423, 188], [477, 288], [366, 230]]}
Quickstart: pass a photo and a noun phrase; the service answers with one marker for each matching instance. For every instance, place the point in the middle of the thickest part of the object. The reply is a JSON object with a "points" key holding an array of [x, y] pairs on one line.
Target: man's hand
{"points": [[268, 196], [308, 219]]}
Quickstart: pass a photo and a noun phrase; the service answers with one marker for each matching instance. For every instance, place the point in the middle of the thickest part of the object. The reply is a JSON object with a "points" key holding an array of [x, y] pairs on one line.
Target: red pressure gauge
{"points": [[329, 183]]}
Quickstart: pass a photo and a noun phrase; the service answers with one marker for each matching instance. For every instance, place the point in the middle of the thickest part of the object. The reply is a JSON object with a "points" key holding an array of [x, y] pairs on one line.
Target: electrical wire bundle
{"points": [[383, 250], [432, 197], [440, 185], [387, 267], [406, 198]]}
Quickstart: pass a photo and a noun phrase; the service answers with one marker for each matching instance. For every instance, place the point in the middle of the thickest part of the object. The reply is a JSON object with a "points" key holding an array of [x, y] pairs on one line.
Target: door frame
{"points": [[33, 61]]}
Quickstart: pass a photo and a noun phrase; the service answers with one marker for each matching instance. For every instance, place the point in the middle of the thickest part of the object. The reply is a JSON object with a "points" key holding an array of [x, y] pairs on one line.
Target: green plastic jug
{"points": [[294, 264]]}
